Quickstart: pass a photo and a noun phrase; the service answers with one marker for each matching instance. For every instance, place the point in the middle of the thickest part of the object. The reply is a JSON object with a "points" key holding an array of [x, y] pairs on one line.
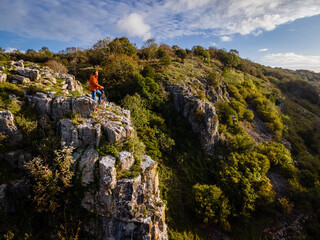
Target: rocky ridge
{"points": [[200, 114], [43, 77], [126, 208]]}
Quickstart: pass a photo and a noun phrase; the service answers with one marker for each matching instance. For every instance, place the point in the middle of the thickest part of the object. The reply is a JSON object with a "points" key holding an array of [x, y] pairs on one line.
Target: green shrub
{"points": [[211, 204], [276, 153], [165, 60], [139, 113], [212, 79], [51, 180], [106, 148]]}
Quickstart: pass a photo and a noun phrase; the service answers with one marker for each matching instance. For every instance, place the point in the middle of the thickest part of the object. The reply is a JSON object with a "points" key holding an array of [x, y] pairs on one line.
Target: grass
{"points": [[183, 72], [76, 119]]}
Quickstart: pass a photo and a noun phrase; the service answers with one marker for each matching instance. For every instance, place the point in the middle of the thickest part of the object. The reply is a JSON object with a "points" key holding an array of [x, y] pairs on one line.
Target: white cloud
{"points": [[213, 44], [292, 61], [85, 22], [10, 49], [263, 49], [225, 39], [134, 26]]}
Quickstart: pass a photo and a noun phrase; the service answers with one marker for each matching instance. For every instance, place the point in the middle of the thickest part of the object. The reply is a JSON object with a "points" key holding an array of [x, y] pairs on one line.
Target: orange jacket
{"points": [[94, 85]]}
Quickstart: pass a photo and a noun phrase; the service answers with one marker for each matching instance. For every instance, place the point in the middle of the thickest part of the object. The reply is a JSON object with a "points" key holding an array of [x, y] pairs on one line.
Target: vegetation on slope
{"points": [[227, 193]]}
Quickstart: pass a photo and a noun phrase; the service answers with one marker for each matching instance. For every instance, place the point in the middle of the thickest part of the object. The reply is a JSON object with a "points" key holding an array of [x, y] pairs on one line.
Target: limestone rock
{"points": [[84, 105], [108, 180], [33, 74], [133, 204], [18, 158], [150, 175], [20, 79], [17, 64], [200, 114], [108, 174], [85, 134], [117, 229], [3, 77], [61, 106], [68, 133], [89, 133], [73, 84], [9, 128], [42, 102], [126, 160], [87, 164], [12, 194]]}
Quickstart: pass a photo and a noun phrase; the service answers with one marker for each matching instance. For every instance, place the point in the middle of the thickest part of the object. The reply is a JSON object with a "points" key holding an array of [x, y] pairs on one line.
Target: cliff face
{"points": [[200, 114], [126, 207], [123, 208]]}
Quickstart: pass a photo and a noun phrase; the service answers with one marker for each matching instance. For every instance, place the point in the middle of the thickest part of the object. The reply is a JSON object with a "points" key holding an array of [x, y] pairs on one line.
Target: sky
{"points": [[277, 33]]}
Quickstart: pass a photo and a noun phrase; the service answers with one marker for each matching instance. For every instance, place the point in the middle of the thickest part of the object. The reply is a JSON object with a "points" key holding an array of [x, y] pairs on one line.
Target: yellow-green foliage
{"points": [[243, 179], [137, 106], [286, 205], [184, 72], [51, 179], [246, 92], [211, 204], [233, 76], [26, 125], [277, 153], [77, 119]]}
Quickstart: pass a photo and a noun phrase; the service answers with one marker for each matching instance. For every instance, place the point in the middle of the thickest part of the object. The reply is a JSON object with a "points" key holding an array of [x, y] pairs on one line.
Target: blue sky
{"points": [[283, 33]]}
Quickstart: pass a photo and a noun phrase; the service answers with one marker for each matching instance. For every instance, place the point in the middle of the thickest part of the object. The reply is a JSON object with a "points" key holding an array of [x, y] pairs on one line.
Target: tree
{"points": [[103, 43], [51, 180], [149, 49], [181, 53], [211, 205], [122, 46]]}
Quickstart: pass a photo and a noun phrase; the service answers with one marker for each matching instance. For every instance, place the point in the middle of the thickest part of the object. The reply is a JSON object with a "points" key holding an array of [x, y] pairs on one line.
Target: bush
{"points": [[285, 205], [276, 153], [137, 105], [51, 179], [57, 66], [211, 204], [181, 53], [212, 79], [165, 60]]}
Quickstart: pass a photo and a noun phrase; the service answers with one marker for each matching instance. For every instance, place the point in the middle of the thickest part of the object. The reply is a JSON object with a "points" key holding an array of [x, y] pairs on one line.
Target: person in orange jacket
{"points": [[95, 87]]}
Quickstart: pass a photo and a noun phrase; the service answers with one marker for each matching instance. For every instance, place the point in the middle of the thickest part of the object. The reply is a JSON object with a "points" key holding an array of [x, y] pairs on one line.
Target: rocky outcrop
{"points": [[3, 77], [42, 102], [9, 128], [82, 135], [55, 108], [87, 165], [84, 105], [17, 159], [19, 63], [33, 74], [12, 194], [61, 106], [70, 82], [200, 114], [126, 160], [127, 208], [73, 84], [115, 122], [20, 79]]}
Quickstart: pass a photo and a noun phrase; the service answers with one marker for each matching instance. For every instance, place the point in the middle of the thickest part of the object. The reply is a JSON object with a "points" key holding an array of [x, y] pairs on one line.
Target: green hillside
{"points": [[262, 177]]}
